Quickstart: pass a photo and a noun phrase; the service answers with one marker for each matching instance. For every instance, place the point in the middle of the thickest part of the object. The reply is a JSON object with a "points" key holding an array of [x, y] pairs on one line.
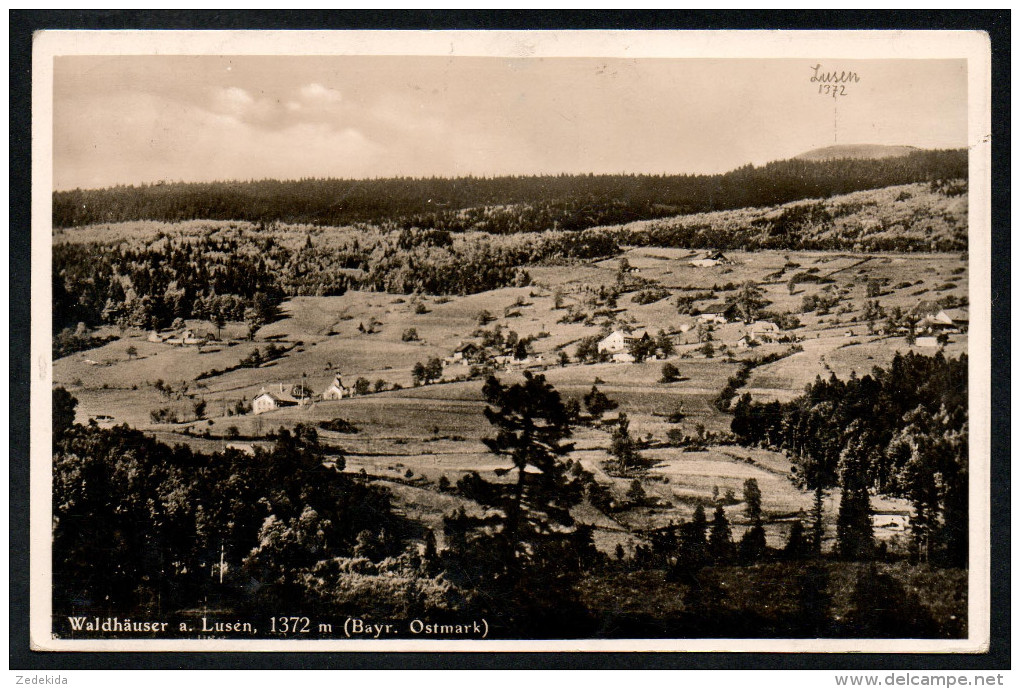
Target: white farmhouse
{"points": [[619, 341], [615, 341], [336, 390], [270, 401], [951, 318]]}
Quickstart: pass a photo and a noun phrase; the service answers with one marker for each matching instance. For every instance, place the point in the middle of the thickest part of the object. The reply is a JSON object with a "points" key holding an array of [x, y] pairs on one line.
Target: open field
{"points": [[411, 437]]}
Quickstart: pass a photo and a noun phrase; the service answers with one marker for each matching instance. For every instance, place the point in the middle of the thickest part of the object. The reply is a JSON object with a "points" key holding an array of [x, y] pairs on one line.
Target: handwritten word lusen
{"points": [[833, 83]]}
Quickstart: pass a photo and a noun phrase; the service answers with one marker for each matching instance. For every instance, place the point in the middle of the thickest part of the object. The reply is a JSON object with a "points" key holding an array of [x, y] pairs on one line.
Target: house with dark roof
{"points": [[270, 400]]}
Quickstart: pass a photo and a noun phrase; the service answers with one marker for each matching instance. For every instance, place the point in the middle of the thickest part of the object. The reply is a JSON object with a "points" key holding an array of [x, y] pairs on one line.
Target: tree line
{"points": [[500, 204]]}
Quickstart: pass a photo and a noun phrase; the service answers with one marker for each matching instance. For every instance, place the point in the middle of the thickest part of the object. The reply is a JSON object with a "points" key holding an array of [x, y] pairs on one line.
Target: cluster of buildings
{"points": [[183, 338], [281, 396], [468, 353], [944, 322]]}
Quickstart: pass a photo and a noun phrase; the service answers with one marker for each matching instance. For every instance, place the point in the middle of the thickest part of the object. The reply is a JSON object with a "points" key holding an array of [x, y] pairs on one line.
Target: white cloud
{"points": [[136, 138], [317, 93], [233, 100]]}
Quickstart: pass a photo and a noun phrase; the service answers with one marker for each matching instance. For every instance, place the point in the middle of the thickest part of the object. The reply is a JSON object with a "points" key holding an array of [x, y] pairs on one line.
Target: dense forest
{"points": [[235, 275], [140, 524], [900, 430], [500, 205], [144, 528]]}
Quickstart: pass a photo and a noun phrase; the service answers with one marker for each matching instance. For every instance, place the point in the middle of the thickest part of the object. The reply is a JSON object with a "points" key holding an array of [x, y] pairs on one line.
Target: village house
{"points": [[619, 341], [947, 320], [277, 399], [187, 337], [156, 336], [713, 258], [764, 331], [337, 390], [892, 520], [465, 353], [714, 313]]}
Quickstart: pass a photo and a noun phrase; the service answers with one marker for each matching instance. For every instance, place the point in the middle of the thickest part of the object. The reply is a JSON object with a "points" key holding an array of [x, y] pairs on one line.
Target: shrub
{"points": [[670, 373], [650, 296], [338, 425]]}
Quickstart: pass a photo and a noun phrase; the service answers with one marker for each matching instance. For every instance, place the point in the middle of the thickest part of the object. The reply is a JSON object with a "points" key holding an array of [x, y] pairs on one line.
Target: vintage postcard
{"points": [[511, 341]]}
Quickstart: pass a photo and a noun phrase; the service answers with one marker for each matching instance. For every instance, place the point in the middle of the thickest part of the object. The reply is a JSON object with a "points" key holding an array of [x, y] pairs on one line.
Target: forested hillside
{"points": [[900, 430], [914, 217], [502, 204]]}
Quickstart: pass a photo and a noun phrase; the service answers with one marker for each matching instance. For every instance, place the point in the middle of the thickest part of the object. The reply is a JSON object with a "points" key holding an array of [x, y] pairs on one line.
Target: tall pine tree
{"points": [[854, 531], [524, 547]]}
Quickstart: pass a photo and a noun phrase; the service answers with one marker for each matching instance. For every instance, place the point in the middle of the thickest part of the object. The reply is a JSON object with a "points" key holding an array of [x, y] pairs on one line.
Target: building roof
{"points": [[957, 315], [281, 398]]}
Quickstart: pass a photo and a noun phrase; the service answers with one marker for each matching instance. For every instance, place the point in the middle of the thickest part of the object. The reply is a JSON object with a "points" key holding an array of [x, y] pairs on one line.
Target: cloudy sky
{"points": [[130, 119]]}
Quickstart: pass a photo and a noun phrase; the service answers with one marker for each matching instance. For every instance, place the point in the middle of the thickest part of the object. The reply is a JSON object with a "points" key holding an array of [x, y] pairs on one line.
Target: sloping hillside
{"points": [[856, 152], [912, 217]]}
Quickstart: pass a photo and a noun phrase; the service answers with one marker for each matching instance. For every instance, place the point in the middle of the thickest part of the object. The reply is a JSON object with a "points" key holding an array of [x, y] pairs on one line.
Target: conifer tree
{"points": [[752, 501], [796, 546], [753, 545], [720, 538], [622, 446], [596, 402], [526, 533], [854, 530]]}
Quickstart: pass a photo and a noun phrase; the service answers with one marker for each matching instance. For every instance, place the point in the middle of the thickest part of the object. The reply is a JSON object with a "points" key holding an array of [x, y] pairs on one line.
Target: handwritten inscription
{"points": [[833, 83]]}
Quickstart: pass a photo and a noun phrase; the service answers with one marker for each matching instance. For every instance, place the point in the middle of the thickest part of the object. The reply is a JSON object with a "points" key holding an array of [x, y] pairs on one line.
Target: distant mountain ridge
{"points": [[857, 152], [502, 205]]}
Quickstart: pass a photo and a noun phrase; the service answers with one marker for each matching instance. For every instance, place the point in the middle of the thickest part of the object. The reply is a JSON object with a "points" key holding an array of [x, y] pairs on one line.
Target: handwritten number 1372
{"points": [[832, 90]]}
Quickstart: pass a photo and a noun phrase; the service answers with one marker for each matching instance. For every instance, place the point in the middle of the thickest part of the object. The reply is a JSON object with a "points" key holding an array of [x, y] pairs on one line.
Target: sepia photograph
{"points": [[487, 341]]}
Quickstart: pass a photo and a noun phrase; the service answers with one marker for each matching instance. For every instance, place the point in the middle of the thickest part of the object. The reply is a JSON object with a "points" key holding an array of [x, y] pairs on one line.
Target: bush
{"points": [[650, 296], [164, 415], [338, 425], [670, 373], [409, 335]]}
